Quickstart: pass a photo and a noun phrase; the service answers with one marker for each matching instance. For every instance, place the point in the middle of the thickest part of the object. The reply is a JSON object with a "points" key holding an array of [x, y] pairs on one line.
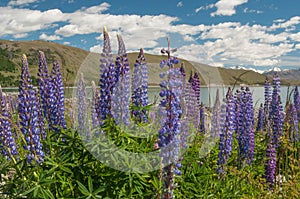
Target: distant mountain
{"points": [[75, 61], [291, 76]]}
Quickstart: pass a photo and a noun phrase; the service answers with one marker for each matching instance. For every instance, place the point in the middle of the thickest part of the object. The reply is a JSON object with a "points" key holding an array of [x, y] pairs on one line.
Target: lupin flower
{"points": [[8, 145], [245, 124], [276, 115], [95, 100], [45, 87], [216, 118], [260, 119], [202, 118], [28, 114], [121, 91], [196, 86], [192, 104], [267, 104], [292, 120], [108, 79], [82, 111], [270, 165], [169, 135], [297, 101], [227, 129], [58, 87], [140, 87], [40, 115]]}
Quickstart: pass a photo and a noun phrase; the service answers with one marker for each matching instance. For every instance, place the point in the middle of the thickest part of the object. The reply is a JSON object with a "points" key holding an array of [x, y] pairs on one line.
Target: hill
{"points": [[74, 61], [290, 76]]}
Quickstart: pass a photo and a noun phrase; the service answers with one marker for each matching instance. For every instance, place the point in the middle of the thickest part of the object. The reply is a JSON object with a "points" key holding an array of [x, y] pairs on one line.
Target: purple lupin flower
{"points": [[202, 118], [40, 115], [81, 97], [260, 120], [250, 126], [270, 165], [58, 87], [95, 100], [292, 119], [192, 104], [216, 119], [297, 101], [28, 115], [196, 86], [120, 99], [140, 88], [227, 129], [267, 103], [108, 79], [8, 145], [245, 124], [45, 87], [169, 134], [276, 115]]}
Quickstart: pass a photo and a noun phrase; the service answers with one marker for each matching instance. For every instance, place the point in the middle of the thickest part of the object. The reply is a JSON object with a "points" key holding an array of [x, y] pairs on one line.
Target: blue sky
{"points": [[258, 34]]}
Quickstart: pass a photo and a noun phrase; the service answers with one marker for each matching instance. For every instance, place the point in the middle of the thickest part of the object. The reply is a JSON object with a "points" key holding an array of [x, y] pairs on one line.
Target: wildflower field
{"points": [[115, 144]]}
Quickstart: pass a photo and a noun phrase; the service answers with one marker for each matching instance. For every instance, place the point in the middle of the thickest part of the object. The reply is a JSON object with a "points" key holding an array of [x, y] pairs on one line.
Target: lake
{"points": [[208, 94]]}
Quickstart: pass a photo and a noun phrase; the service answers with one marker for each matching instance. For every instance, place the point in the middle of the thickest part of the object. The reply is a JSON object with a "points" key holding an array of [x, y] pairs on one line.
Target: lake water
{"points": [[208, 94]]}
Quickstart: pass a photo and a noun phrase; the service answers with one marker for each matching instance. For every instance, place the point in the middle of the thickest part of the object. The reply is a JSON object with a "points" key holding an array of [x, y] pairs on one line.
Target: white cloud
{"points": [[289, 24], [21, 2], [204, 7], [227, 7], [21, 35], [17, 21], [96, 49], [295, 37], [179, 4], [97, 9], [247, 10], [43, 36]]}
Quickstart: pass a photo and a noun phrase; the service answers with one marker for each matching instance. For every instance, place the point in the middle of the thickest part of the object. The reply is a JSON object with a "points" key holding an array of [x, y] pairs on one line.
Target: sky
{"points": [[257, 34]]}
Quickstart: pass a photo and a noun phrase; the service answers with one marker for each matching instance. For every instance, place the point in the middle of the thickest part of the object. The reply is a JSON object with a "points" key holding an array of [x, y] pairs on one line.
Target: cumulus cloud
{"points": [[226, 43], [18, 21], [21, 2], [21, 35], [44, 36], [225, 7]]}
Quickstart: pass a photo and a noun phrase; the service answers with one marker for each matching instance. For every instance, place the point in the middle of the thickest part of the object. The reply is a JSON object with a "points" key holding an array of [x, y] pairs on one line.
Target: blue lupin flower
{"points": [[292, 119], [267, 103], [44, 84], [216, 117], [95, 100], [169, 134], [40, 115], [108, 79], [260, 119], [276, 115], [82, 109], [192, 104], [140, 87], [28, 115], [121, 91], [297, 101], [245, 124], [270, 165], [227, 129], [196, 86], [58, 87], [202, 118], [8, 145]]}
